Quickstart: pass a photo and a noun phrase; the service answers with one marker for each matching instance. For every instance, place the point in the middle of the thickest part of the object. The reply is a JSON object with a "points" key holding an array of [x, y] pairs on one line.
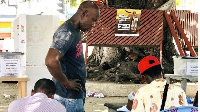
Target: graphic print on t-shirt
{"points": [[79, 49]]}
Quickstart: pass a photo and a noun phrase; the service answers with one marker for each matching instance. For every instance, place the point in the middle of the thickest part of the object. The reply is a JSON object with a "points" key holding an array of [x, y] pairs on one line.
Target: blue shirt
{"points": [[67, 40]]}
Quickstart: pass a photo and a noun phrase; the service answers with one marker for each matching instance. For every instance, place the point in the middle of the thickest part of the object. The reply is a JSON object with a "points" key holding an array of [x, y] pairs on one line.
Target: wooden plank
{"points": [[14, 79]]}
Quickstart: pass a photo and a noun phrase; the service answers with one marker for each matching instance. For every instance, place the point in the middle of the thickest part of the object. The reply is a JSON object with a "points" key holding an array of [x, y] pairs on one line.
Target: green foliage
{"points": [[3, 1], [178, 2], [73, 3]]}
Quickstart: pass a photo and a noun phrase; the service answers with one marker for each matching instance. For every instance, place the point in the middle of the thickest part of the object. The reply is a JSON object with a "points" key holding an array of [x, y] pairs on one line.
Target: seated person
{"points": [[149, 98], [195, 103], [41, 99], [128, 106]]}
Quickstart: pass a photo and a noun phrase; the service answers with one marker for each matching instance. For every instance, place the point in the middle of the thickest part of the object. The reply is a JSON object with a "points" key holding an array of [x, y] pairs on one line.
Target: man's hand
{"points": [[73, 84]]}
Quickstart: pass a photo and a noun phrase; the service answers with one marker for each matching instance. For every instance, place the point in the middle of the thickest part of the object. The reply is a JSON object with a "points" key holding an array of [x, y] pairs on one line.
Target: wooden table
{"points": [[22, 84]]}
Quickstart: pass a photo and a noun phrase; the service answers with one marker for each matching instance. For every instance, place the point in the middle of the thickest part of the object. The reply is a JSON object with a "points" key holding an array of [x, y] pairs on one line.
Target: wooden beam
{"points": [[190, 48], [151, 51], [174, 34]]}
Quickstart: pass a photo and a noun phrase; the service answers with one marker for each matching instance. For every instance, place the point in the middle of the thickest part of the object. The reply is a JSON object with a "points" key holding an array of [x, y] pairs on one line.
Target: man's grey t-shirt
{"points": [[67, 40]]}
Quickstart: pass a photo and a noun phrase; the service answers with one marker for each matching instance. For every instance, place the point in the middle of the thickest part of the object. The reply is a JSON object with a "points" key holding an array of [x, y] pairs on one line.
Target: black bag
{"points": [[164, 97]]}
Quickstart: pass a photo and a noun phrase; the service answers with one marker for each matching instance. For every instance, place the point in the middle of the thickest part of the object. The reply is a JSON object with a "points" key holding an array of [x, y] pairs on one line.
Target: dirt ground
{"points": [[93, 104]]}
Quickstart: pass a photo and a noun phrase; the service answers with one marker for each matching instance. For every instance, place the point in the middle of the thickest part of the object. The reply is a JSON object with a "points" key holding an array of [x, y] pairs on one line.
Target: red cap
{"points": [[100, 2], [147, 62]]}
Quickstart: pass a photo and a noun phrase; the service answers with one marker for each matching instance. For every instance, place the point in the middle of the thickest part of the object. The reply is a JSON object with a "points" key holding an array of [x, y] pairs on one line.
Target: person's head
{"points": [[150, 68], [89, 13], [45, 86]]}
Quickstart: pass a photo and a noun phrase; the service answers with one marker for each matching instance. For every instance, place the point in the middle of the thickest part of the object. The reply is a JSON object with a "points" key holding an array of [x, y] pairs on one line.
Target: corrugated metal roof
{"points": [[150, 30], [103, 33]]}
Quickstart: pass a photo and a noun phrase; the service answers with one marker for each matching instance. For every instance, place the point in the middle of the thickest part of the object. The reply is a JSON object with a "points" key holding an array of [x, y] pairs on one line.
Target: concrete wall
{"points": [[114, 89]]}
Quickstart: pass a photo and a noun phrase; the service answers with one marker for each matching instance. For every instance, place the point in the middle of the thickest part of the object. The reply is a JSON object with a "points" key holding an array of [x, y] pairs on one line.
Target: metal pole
{"points": [[184, 84]]}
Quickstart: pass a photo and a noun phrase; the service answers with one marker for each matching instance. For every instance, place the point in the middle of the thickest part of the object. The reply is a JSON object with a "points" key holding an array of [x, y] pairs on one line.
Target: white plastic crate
{"points": [[186, 66]]}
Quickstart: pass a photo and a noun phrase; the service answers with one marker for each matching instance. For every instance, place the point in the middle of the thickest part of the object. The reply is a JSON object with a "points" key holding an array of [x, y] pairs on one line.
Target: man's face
{"points": [[88, 19], [147, 78]]}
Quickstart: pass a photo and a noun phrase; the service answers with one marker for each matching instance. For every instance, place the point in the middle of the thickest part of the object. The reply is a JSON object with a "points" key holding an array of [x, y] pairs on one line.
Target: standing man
{"points": [[65, 59], [149, 98]]}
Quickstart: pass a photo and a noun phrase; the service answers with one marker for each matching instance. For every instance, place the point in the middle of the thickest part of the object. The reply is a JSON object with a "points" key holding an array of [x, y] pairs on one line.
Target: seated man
{"points": [[41, 99], [149, 98], [128, 106]]}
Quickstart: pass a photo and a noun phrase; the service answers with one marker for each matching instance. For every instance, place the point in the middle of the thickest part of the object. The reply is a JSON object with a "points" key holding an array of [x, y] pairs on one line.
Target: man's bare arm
{"points": [[53, 64]]}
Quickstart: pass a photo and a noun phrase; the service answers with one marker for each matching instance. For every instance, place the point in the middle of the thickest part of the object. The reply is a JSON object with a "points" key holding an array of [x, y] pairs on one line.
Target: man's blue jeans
{"points": [[71, 105]]}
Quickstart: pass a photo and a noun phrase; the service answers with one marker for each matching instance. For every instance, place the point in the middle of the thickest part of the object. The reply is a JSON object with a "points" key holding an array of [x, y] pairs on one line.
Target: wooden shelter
{"points": [[150, 30]]}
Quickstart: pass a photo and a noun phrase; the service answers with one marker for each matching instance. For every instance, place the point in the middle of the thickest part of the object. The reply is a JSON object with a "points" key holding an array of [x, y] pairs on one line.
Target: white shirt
{"points": [[39, 102], [149, 98]]}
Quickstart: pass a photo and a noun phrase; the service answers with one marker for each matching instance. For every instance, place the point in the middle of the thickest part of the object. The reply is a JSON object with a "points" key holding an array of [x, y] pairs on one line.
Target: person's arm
{"points": [[184, 100], [53, 64], [129, 104], [138, 105]]}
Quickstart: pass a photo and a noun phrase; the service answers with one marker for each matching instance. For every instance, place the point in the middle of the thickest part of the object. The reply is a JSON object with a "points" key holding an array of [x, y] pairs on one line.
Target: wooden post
{"points": [[161, 54], [151, 51], [22, 84], [86, 53]]}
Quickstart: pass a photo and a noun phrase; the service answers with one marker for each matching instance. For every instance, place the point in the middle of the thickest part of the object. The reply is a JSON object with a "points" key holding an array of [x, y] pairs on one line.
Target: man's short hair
{"points": [[46, 86], [153, 71], [88, 4]]}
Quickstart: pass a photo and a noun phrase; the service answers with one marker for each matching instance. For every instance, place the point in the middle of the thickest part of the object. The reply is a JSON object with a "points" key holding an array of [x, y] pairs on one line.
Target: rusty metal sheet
{"points": [[103, 33], [150, 33]]}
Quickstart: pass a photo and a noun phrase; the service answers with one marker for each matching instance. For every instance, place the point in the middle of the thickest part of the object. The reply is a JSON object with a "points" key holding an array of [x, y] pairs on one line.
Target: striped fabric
{"points": [[103, 32], [5, 24], [5, 29], [39, 102]]}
